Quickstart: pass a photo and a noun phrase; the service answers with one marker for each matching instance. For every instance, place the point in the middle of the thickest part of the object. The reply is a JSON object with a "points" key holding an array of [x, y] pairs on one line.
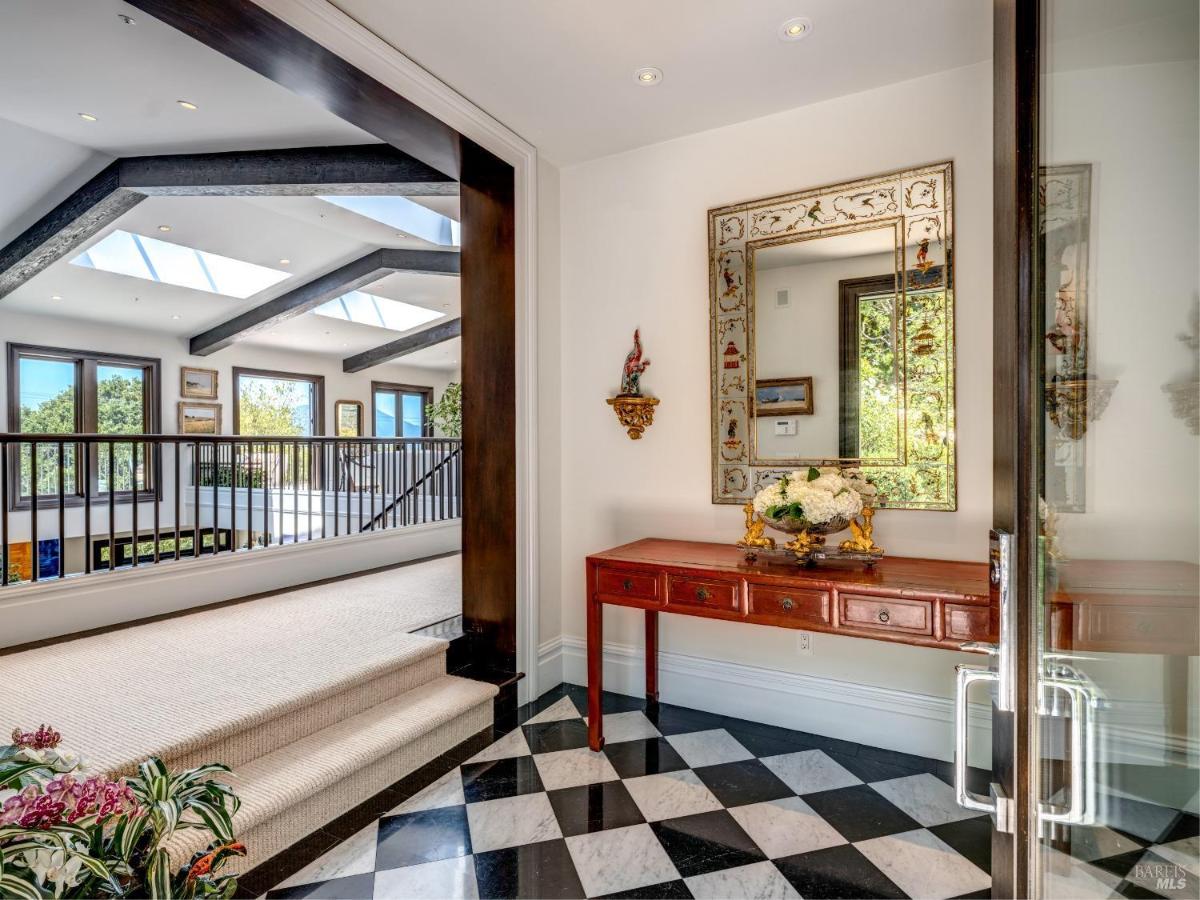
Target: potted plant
{"points": [[67, 833]]}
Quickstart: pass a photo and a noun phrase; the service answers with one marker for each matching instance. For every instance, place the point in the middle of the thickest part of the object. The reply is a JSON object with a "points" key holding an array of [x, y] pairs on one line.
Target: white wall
{"points": [[74, 335], [634, 254]]}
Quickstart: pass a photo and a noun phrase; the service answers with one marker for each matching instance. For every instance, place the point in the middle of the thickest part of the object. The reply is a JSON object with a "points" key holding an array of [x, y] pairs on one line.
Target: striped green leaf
{"points": [[158, 875], [11, 775], [18, 888], [215, 818], [100, 870]]}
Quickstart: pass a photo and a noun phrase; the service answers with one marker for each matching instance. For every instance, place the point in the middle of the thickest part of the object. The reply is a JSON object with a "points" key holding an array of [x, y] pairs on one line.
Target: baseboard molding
{"points": [[879, 716], [46, 609]]}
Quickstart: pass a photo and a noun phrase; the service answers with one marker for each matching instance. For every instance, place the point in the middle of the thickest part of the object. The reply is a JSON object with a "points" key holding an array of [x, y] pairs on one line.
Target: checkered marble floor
{"points": [[682, 803]]}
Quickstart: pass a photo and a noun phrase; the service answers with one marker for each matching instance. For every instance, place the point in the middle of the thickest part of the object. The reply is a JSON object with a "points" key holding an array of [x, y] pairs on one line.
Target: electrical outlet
{"points": [[804, 643]]}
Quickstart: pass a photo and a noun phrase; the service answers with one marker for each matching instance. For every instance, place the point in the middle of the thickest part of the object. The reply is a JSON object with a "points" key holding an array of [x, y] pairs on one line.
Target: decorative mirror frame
{"points": [[918, 198]]}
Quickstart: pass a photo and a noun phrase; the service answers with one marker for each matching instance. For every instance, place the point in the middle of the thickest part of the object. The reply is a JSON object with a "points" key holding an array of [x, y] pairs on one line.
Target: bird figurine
{"points": [[631, 374]]}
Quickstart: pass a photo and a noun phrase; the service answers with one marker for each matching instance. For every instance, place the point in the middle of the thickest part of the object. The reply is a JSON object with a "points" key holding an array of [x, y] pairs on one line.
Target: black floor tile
{"points": [[743, 783], [353, 887], [1121, 864], [860, 812], [1136, 891], [985, 894], [646, 757], [668, 890], [678, 720], [869, 768], [771, 737], [835, 873], [901, 760], [547, 737], [421, 837], [531, 870], [970, 837], [619, 703], [1185, 825], [978, 780], [706, 842], [594, 807], [500, 778]]}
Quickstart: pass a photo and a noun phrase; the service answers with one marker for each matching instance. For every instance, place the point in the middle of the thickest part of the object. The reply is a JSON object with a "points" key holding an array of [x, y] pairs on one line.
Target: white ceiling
{"points": [[62, 57], [561, 73]]}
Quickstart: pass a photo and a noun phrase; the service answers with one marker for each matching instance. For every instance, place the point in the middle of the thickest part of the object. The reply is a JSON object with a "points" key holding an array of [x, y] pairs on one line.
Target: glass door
{"points": [[1097, 699]]}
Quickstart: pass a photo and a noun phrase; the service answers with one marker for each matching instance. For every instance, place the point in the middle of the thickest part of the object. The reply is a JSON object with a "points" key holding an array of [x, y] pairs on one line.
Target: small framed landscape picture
{"points": [[199, 418], [197, 384], [349, 417], [783, 396]]}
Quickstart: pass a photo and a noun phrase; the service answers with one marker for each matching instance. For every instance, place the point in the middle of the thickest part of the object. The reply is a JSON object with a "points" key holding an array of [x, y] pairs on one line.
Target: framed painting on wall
{"points": [[348, 416], [199, 418], [783, 396], [197, 384]]}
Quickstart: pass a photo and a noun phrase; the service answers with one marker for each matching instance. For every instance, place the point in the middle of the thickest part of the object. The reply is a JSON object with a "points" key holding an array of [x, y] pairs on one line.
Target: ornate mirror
{"points": [[833, 337]]}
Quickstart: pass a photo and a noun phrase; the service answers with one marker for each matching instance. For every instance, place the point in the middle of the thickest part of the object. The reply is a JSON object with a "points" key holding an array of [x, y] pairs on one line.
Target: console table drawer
{"points": [[783, 605], [683, 591], [886, 614], [618, 583], [967, 623]]}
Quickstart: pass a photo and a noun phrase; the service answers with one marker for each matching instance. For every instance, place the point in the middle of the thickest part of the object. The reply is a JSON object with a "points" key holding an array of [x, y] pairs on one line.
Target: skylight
{"points": [[404, 215], [367, 309], [125, 253]]}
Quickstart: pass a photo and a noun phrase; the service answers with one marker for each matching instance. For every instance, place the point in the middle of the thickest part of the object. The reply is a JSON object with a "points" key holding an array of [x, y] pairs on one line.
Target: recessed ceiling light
{"points": [[88, 117], [187, 104], [175, 316], [55, 297], [795, 29], [128, 20], [164, 227], [285, 262], [648, 76]]}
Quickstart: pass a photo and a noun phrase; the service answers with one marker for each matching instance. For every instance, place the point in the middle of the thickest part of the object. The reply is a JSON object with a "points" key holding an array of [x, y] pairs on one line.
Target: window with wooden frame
{"points": [[398, 410], [268, 403], [53, 390]]}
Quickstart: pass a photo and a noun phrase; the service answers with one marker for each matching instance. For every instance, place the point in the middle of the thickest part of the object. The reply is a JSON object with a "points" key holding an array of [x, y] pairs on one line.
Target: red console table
{"points": [[925, 602]]}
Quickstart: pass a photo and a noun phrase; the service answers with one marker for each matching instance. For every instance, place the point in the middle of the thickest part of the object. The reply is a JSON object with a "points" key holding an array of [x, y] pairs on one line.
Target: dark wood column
{"points": [[488, 297]]}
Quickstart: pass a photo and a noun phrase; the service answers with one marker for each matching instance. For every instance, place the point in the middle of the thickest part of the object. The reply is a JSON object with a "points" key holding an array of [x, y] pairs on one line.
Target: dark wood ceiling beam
{"points": [[410, 343], [350, 277], [124, 183]]}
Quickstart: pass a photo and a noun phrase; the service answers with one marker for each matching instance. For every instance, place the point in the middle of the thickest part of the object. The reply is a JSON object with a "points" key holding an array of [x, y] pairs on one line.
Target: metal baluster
{"points": [[176, 448], [62, 513], [281, 486], [308, 493], [295, 492], [33, 510], [4, 451], [336, 459], [216, 492], [266, 477], [112, 508], [197, 468], [156, 469], [323, 475], [233, 467], [133, 500]]}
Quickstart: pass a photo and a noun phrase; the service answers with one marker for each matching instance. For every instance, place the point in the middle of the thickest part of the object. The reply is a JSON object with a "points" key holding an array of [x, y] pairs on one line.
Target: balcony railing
{"points": [[78, 504]]}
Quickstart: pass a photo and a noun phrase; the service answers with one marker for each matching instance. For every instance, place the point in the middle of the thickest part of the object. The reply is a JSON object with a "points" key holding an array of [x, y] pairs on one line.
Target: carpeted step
{"points": [[296, 789], [226, 685]]}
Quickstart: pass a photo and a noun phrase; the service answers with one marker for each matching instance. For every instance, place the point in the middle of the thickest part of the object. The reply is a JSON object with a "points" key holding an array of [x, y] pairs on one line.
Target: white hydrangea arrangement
{"points": [[818, 496]]}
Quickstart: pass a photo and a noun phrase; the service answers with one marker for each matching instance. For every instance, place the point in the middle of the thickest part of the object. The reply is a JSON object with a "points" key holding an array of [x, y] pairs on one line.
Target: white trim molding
{"points": [[338, 32], [878, 716]]}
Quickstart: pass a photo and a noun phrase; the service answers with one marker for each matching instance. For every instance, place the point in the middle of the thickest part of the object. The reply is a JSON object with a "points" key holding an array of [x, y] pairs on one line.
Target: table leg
{"points": [[595, 666], [651, 656]]}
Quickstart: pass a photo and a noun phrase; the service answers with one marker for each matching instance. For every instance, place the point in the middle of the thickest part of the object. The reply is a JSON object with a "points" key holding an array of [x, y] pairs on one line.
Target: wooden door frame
{"points": [[498, 546], [1016, 410]]}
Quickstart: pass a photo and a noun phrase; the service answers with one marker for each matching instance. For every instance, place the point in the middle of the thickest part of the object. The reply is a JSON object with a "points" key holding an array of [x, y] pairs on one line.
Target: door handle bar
{"points": [[965, 676]]}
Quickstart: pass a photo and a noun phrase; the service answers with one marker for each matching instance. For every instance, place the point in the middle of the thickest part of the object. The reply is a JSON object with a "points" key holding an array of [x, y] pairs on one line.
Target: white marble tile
{"points": [[671, 795], [446, 791], [444, 878], [353, 856], [923, 865], [708, 748], [810, 771], [1063, 876], [757, 881], [571, 768], [1088, 843], [510, 821], [786, 827], [627, 726], [1184, 853], [512, 744], [620, 859], [926, 798], [562, 709]]}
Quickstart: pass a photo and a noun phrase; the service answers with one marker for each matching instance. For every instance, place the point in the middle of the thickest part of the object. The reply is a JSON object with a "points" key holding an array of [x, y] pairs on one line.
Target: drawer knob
{"points": [[884, 616], [627, 584], [787, 603], [702, 594]]}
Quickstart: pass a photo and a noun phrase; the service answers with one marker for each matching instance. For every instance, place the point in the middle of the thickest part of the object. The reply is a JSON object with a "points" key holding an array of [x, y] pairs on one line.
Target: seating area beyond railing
{"points": [[82, 503]]}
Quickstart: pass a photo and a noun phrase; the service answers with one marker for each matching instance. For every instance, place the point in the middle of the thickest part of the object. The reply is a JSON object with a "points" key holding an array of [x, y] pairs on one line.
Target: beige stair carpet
{"points": [[179, 687]]}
